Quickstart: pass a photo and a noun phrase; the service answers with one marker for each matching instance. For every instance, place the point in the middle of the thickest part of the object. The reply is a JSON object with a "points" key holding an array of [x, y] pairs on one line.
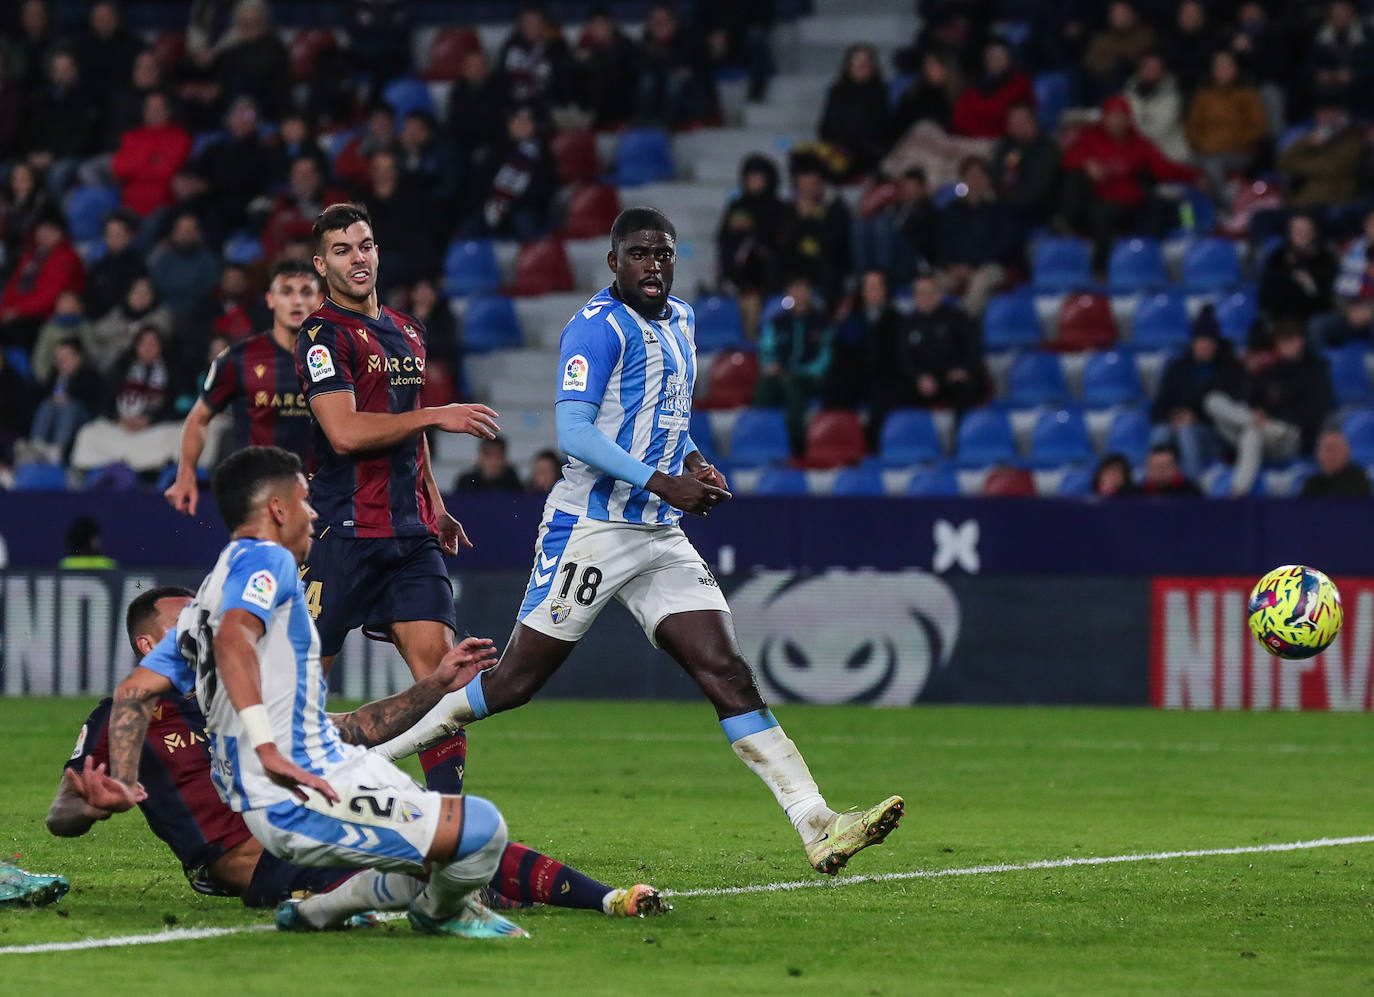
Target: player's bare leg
{"points": [[703, 643]]}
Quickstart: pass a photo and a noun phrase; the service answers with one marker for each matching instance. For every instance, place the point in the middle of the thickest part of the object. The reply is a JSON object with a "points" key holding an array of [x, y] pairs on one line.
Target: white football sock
{"points": [[370, 889], [444, 719], [771, 755], [450, 885]]}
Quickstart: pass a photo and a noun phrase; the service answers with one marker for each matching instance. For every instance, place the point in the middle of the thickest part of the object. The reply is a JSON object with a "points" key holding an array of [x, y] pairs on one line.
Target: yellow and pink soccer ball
{"points": [[1295, 611]]}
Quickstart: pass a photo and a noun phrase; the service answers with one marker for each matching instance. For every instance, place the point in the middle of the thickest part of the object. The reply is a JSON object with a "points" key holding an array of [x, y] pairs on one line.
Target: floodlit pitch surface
{"points": [[979, 900]]}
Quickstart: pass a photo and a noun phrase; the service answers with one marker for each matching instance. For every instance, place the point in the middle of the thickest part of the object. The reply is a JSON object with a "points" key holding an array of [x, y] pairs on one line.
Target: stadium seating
{"points": [[1036, 378], [1129, 435], [470, 267], [1007, 482], [834, 438], [1110, 378], [759, 437], [242, 248], [781, 481], [1010, 322], [1218, 483], [1359, 432], [985, 437], [934, 481], [542, 268], [733, 376], [1160, 322], [642, 155], [1236, 313], [1211, 265], [1053, 95], [1060, 437], [169, 49], [407, 94], [591, 212], [574, 151], [452, 45], [719, 324], [40, 477], [1085, 323], [1197, 214], [1076, 481], [490, 323], [440, 388], [1136, 265], [703, 435], [858, 481], [909, 437], [17, 359], [1061, 264], [306, 47], [86, 211], [1349, 376]]}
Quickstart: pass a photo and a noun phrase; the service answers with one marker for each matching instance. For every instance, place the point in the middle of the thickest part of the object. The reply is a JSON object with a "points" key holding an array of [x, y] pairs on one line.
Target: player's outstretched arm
{"points": [[452, 536], [184, 493], [236, 662], [130, 714], [351, 432], [384, 719], [88, 796]]}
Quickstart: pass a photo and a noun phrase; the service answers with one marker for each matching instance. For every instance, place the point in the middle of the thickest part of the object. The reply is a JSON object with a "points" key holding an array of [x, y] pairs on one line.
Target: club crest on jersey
{"points": [[260, 590], [409, 330], [575, 374], [559, 611], [319, 362]]}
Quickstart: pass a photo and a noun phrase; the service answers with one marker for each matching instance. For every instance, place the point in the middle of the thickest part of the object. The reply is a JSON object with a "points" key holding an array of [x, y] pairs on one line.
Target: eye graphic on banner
{"points": [[846, 636]]}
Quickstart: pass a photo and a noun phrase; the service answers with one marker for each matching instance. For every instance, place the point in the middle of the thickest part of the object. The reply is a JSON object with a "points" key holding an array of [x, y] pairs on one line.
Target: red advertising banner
{"points": [[1203, 656]]}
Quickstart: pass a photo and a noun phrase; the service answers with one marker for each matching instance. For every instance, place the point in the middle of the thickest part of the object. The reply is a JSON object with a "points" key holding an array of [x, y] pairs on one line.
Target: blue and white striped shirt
{"points": [[641, 374]]}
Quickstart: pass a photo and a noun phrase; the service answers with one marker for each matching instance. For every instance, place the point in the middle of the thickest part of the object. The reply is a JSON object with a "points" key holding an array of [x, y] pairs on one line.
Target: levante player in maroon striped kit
{"points": [[256, 378]]}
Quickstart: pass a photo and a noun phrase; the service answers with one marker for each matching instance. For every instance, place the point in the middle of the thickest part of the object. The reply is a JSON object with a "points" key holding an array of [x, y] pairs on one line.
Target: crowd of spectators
{"points": [[1006, 123]]}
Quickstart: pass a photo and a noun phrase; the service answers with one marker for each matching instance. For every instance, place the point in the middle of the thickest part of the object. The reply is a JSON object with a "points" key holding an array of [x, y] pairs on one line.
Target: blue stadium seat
{"points": [[642, 156], [204, 140], [909, 437], [1061, 264], [1060, 437], [242, 248], [1036, 378], [985, 437], [1219, 485], [1236, 313], [759, 437], [1077, 481], [1110, 378], [858, 481], [1052, 97], [490, 323], [1211, 265], [1010, 322], [1350, 376], [409, 93], [86, 211], [1129, 435], [1160, 322], [18, 359], [703, 436], [945, 195], [781, 481], [897, 86], [1136, 265], [1359, 432], [1198, 216], [470, 267], [40, 477], [933, 481], [719, 325]]}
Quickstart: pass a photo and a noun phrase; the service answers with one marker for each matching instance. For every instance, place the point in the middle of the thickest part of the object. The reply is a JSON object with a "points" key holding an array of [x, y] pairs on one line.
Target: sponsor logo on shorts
{"points": [[260, 590], [575, 374], [559, 611], [319, 362]]}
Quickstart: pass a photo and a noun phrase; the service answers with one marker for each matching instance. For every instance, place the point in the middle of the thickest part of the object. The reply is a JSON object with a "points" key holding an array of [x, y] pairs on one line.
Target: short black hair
{"points": [[338, 217], [144, 608], [639, 220], [293, 268], [73, 343], [1167, 448], [240, 477]]}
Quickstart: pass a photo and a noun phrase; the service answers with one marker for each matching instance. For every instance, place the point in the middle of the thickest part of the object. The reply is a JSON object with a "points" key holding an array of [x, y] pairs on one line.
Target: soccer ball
{"points": [[1295, 611]]}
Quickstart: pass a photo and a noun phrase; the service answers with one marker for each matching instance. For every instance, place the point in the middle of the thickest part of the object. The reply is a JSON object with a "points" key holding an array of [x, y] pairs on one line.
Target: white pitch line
{"points": [[191, 934]]}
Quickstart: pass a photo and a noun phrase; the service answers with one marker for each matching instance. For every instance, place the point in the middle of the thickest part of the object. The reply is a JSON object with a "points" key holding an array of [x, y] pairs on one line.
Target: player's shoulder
{"points": [[402, 319], [325, 320], [246, 552], [595, 317], [682, 308]]}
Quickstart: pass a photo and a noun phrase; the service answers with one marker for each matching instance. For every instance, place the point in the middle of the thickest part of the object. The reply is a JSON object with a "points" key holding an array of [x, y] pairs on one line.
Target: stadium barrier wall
{"points": [[886, 602]]}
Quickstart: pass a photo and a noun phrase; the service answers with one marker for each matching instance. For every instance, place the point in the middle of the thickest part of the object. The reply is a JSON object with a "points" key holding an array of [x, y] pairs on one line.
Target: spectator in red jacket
{"points": [[47, 268], [981, 110], [150, 156], [353, 165], [1103, 192]]}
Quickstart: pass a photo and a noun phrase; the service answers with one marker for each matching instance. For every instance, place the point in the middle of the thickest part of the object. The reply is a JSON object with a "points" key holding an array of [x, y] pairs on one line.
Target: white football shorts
{"points": [[383, 820], [580, 563]]}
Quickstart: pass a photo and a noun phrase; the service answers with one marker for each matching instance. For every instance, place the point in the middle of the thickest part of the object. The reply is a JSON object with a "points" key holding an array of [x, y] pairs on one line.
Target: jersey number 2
{"points": [[586, 592]]}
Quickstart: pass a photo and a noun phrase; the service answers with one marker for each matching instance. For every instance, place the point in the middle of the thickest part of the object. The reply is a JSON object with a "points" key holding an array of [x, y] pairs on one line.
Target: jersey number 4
{"points": [[314, 593]]}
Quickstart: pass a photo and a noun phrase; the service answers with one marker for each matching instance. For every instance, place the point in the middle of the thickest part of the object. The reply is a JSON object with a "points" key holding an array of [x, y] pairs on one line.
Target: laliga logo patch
{"points": [[260, 590], [846, 636], [80, 744], [319, 362], [559, 611], [575, 374]]}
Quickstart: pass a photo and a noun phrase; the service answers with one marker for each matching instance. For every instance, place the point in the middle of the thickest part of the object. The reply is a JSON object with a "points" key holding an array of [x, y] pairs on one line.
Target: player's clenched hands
{"points": [[687, 492], [183, 495], [475, 420], [712, 476], [293, 777], [461, 664], [451, 534]]}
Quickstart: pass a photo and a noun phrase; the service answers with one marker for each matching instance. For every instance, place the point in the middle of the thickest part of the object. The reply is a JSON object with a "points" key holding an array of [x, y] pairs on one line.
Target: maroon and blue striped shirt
{"points": [[258, 379]]}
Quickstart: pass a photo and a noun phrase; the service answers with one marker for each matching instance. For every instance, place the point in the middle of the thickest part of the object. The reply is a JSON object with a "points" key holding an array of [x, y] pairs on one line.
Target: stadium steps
{"points": [[542, 318], [823, 38]]}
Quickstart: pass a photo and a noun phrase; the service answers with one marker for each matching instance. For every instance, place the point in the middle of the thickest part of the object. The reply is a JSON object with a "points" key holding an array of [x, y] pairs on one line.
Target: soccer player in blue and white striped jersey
{"points": [[627, 367]]}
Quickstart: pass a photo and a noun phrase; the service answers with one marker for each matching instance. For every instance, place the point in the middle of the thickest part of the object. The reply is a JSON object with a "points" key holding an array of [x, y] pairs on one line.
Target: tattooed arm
{"points": [[130, 715]]}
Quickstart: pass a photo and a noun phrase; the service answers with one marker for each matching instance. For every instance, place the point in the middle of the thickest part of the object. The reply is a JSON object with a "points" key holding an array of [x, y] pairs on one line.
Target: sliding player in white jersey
{"points": [[249, 646], [624, 402]]}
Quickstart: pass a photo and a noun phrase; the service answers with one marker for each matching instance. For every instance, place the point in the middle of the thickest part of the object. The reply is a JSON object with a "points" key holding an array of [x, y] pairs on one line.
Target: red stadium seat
{"points": [[876, 198], [169, 49], [834, 439], [1009, 481], [732, 379], [451, 48], [305, 50], [1085, 323], [542, 268], [439, 388], [591, 211], [575, 152]]}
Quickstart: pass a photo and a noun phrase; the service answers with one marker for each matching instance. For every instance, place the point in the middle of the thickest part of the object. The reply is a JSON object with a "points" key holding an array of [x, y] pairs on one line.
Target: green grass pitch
{"points": [[632, 792]]}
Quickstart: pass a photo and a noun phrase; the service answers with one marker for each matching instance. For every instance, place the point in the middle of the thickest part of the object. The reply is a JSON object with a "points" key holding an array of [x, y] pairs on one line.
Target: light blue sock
{"points": [[745, 724]]}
